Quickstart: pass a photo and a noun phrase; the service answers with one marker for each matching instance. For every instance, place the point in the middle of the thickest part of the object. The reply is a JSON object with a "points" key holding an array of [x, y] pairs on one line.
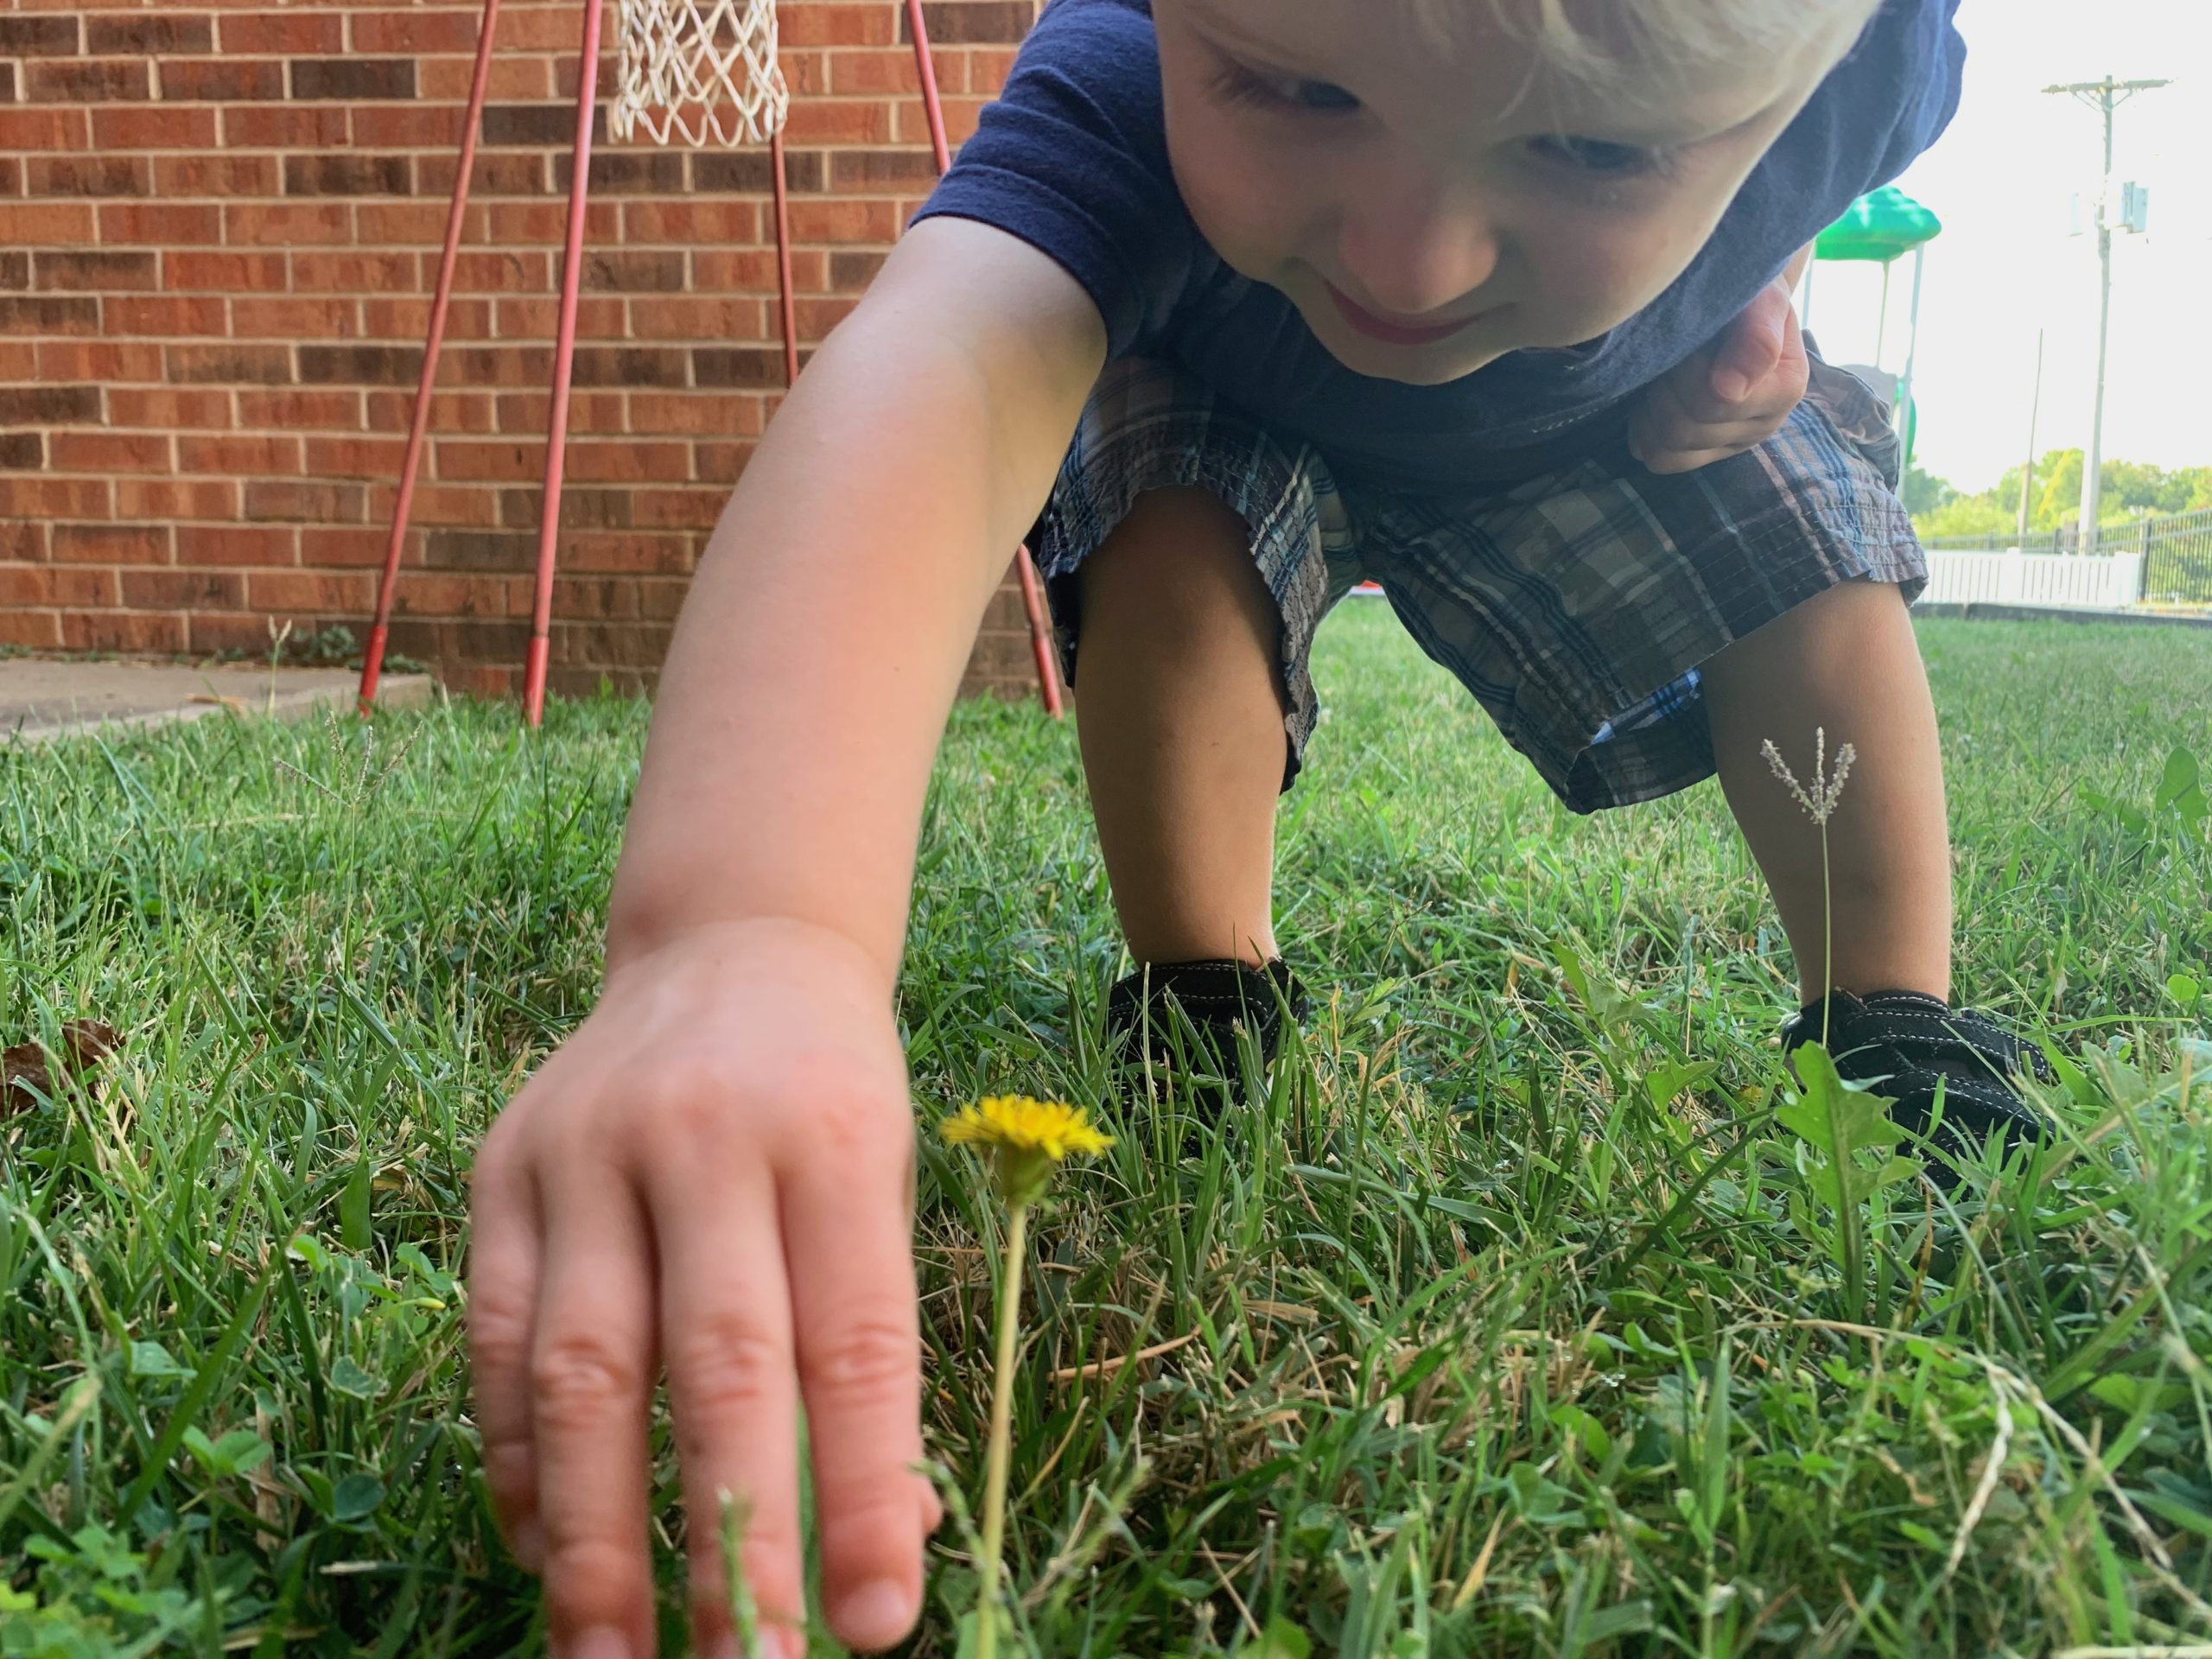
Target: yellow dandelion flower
{"points": [[1024, 1139], [1026, 1125]]}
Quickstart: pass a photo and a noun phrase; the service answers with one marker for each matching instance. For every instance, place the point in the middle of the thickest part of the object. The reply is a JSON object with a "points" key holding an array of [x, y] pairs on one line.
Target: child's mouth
{"points": [[1393, 331]]}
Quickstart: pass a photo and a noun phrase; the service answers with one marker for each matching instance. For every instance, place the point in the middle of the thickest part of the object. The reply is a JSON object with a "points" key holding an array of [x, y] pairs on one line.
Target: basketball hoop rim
{"points": [[698, 71]]}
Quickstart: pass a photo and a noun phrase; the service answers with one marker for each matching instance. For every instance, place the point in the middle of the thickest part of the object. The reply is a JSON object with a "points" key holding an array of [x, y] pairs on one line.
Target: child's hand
{"points": [[715, 1174], [1733, 395]]}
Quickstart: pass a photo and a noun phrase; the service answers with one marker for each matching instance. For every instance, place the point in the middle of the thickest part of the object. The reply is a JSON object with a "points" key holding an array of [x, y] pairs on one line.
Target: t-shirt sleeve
{"points": [[1072, 158], [1916, 54], [1890, 98]]}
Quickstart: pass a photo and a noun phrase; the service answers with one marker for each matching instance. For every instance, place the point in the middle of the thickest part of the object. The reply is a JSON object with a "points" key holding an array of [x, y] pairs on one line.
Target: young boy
{"points": [[1322, 290]]}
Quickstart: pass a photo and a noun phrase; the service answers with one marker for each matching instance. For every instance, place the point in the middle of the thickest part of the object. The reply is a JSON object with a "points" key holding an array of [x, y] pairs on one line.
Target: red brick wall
{"points": [[220, 227]]}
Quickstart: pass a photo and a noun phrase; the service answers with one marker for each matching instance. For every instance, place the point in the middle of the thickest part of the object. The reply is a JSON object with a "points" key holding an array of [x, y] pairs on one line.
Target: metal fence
{"points": [[2173, 556], [2177, 559]]}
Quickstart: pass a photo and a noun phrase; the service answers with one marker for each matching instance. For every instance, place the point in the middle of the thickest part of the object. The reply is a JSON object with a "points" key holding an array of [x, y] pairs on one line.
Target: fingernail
{"points": [[1732, 385], [602, 1642], [876, 1615], [529, 1546]]}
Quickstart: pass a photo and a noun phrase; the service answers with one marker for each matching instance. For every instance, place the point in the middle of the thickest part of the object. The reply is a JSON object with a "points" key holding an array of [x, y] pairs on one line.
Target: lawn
{"points": [[1511, 1321]]}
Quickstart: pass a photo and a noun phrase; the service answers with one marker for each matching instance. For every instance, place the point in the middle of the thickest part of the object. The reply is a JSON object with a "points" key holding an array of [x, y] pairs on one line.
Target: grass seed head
{"points": [[1819, 801]]}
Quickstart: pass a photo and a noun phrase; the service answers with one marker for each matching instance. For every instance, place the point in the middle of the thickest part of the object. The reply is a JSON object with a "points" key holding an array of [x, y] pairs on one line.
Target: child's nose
{"points": [[1413, 253]]}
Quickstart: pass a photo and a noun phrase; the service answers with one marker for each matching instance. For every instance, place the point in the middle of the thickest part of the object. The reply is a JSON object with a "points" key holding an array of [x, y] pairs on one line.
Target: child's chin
{"points": [[1410, 365]]}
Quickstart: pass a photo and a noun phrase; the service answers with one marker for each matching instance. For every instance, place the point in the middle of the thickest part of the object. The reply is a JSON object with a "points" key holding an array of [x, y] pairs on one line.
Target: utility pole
{"points": [[2028, 472], [2105, 96]]}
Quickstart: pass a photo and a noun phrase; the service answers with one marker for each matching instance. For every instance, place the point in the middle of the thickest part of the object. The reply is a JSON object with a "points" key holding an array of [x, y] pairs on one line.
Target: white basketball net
{"points": [[699, 69]]}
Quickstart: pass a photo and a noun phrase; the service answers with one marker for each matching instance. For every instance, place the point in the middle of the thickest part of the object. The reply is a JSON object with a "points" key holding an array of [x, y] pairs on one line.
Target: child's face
{"points": [[1431, 206]]}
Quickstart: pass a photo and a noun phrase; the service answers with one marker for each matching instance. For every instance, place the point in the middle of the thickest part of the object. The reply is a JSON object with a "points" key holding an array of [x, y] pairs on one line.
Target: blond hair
{"points": [[1619, 45]]}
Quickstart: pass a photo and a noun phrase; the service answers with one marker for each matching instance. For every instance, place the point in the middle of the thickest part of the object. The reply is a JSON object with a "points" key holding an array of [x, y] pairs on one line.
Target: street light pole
{"points": [[2104, 96]]}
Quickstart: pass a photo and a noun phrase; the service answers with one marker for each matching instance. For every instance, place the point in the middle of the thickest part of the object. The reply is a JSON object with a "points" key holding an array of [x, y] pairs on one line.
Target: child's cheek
{"points": [[1593, 272], [1252, 202]]}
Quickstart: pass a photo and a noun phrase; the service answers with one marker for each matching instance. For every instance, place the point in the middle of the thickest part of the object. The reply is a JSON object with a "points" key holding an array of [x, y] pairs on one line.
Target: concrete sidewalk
{"points": [[42, 698]]}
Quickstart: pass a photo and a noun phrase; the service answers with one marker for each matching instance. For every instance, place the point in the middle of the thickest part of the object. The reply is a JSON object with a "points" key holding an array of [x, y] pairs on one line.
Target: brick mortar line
{"points": [[405, 389], [561, 152]]}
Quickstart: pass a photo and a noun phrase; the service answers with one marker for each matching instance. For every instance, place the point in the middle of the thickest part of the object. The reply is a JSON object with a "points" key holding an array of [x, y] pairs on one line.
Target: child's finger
{"points": [[503, 1270], [1683, 446], [849, 1233], [1793, 335], [732, 1390], [1751, 346], [1663, 431], [1704, 447], [1658, 420], [591, 1376], [1685, 399]]}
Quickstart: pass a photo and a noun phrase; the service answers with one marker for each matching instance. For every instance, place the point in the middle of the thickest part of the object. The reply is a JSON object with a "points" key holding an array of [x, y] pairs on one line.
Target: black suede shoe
{"points": [[1219, 999], [1904, 1043]]}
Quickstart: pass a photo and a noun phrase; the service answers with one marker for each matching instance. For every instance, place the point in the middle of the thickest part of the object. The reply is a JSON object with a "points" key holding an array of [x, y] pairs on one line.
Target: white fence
{"points": [[2058, 581]]}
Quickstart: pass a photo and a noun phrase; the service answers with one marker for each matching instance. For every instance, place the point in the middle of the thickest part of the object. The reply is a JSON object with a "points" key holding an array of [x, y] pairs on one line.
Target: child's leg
{"points": [[1181, 715], [1846, 661]]}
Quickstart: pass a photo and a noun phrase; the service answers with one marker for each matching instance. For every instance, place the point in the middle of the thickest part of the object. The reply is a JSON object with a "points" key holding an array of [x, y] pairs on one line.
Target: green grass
{"points": [[1514, 1322]]}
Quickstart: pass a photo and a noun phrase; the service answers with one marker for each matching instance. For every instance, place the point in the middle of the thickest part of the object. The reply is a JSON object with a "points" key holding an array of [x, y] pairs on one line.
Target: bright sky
{"points": [[2005, 267]]}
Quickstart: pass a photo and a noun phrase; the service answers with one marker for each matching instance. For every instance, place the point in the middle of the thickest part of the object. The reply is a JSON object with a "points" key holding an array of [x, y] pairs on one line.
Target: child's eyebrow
{"points": [[1622, 129], [1225, 35], [1616, 115]]}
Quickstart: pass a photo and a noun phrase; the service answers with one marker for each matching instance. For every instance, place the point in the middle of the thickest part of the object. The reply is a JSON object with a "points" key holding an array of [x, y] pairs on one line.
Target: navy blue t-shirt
{"points": [[1072, 158]]}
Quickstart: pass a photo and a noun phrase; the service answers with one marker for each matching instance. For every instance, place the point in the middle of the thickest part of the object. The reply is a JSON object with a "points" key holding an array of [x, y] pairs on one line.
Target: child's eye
{"points": [[1597, 156], [1238, 84]]}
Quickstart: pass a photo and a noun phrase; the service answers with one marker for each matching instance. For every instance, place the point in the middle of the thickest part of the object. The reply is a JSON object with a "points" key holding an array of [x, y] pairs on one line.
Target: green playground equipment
{"points": [[1883, 225]]}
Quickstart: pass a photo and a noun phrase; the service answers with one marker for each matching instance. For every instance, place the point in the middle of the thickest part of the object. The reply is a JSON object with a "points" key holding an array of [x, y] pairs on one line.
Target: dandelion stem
{"points": [[1023, 1140], [987, 1599]]}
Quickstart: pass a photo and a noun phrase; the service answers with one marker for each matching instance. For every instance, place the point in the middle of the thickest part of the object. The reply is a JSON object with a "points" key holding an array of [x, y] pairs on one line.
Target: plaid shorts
{"points": [[1575, 604]]}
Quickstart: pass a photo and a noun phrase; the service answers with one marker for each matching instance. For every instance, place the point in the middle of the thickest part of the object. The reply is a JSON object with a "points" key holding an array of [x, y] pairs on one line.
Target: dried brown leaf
{"points": [[28, 1069]]}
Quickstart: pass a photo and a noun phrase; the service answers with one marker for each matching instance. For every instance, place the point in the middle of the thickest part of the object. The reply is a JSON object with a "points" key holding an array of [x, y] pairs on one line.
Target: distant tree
{"points": [[2131, 490], [2058, 483], [1923, 492], [2190, 490], [1967, 515], [2134, 487]]}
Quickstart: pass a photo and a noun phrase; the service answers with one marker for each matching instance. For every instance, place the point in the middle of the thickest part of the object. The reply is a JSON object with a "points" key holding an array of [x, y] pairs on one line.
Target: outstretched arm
{"points": [[715, 1174]]}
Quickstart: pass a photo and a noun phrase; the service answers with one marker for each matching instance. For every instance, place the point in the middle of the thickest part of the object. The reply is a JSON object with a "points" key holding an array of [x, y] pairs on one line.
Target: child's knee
{"points": [[1829, 635], [1180, 558], [1171, 540]]}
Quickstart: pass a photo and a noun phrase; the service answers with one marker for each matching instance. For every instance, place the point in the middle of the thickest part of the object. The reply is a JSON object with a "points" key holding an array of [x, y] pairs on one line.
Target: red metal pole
{"points": [[372, 661], [784, 259], [1041, 634], [925, 65], [557, 438]]}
